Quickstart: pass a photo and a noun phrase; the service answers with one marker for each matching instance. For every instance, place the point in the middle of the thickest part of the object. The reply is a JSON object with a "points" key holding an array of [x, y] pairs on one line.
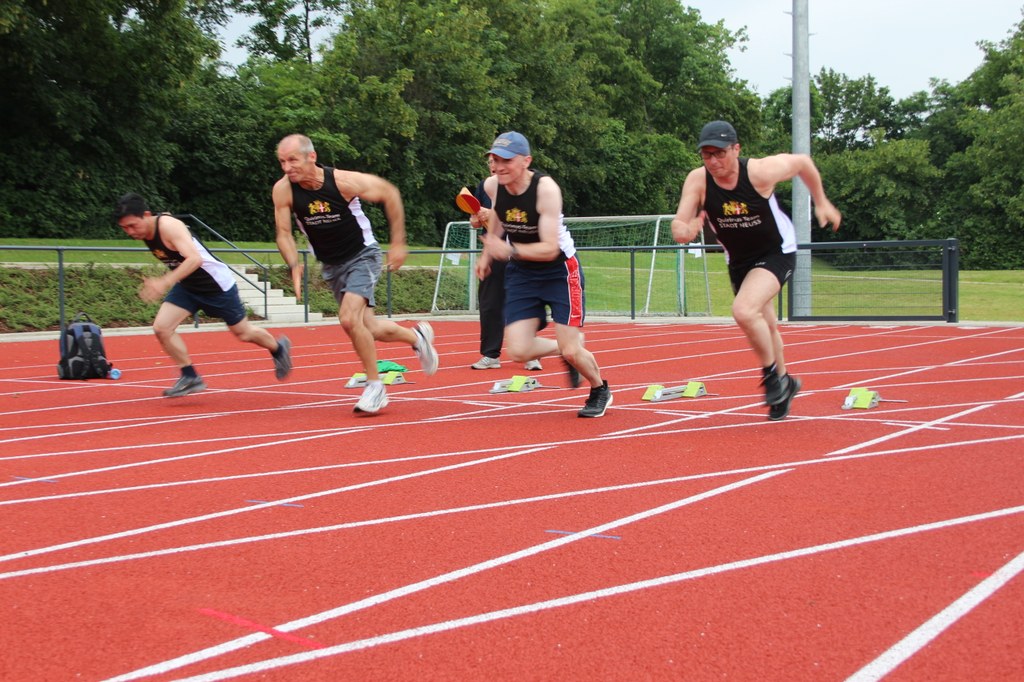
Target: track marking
{"points": [[249, 508], [936, 625], [246, 623], [904, 432], [444, 578], [536, 607], [478, 507]]}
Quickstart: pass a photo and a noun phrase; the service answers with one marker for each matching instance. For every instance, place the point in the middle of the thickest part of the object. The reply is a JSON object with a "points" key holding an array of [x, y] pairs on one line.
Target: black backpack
{"points": [[81, 350]]}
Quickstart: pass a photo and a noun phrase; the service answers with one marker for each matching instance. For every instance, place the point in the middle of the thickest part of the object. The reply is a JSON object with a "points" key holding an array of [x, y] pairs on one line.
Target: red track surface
{"points": [[262, 530]]}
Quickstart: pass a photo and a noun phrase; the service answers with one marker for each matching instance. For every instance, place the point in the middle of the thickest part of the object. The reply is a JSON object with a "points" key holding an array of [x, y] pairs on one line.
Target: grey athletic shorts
{"points": [[357, 276]]}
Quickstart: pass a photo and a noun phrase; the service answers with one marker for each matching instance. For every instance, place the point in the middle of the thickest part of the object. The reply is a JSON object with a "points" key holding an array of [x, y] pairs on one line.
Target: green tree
{"points": [[90, 89], [687, 58], [284, 28], [975, 122], [224, 161], [883, 191]]}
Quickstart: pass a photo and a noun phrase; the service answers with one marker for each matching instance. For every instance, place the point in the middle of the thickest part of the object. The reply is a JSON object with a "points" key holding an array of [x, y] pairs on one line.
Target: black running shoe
{"points": [[574, 374], [283, 359], [185, 386], [792, 387], [773, 390], [599, 400]]}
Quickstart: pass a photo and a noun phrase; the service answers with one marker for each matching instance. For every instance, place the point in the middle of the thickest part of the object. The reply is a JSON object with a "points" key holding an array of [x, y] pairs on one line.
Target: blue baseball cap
{"points": [[510, 144]]}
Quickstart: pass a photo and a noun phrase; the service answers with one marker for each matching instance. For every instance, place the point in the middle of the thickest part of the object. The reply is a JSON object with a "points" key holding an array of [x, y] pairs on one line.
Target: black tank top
{"points": [[747, 225], [200, 281], [337, 229], [521, 220]]}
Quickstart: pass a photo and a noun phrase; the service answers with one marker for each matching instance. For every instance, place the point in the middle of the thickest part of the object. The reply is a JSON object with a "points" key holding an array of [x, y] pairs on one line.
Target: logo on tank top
{"points": [[319, 207], [735, 208], [160, 254], [515, 215]]}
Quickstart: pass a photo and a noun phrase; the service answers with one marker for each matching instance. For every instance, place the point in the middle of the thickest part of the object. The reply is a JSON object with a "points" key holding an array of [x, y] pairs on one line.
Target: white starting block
{"points": [[517, 384], [692, 389], [865, 399], [358, 379]]}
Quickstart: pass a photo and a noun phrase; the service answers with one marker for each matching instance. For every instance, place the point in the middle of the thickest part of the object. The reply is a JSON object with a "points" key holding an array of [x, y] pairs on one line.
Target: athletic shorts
{"points": [[779, 264], [356, 276], [558, 286], [227, 305]]}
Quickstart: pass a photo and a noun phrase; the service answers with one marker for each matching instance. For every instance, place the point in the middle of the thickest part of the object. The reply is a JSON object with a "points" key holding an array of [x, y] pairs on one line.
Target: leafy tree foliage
{"points": [[983, 196], [284, 28], [91, 87], [103, 97]]}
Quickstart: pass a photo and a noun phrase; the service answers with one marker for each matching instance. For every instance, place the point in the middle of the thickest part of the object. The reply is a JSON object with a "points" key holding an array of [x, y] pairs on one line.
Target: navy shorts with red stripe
{"points": [[529, 290]]}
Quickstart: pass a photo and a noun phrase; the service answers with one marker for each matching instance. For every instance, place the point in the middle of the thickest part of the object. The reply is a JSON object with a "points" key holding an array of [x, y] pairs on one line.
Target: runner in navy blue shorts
{"points": [[196, 280], [526, 229]]}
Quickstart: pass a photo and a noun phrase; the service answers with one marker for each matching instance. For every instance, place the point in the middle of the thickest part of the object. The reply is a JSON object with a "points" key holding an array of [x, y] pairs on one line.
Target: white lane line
{"points": [[904, 432], [250, 508], [444, 578], [489, 505], [937, 624], [445, 626]]}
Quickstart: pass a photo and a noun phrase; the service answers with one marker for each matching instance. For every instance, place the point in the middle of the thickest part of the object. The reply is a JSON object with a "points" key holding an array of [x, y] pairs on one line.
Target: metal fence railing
{"points": [[891, 280], [881, 280]]}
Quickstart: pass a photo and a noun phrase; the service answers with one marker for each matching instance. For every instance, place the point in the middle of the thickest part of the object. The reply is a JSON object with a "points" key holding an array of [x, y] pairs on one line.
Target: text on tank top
{"points": [[337, 229], [521, 220], [747, 225]]}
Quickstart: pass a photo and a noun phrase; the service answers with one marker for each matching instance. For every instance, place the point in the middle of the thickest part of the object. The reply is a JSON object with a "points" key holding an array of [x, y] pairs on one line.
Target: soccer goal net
{"points": [[622, 277]]}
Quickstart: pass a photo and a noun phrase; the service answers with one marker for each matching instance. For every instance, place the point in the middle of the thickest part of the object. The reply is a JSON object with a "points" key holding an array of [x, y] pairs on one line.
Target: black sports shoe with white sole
{"points": [[185, 386], [791, 386], [598, 401]]}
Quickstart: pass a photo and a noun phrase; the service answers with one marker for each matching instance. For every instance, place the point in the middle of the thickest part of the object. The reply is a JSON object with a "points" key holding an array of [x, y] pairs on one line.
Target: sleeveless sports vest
{"points": [[520, 220], [212, 277], [747, 225], [337, 229]]}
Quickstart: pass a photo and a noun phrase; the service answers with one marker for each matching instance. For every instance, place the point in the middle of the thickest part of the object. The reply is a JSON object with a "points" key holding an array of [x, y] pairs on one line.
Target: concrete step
{"points": [[277, 308], [293, 316]]}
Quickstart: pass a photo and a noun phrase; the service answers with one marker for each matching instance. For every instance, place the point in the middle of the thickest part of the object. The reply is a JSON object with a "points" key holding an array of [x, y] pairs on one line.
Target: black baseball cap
{"points": [[717, 134]]}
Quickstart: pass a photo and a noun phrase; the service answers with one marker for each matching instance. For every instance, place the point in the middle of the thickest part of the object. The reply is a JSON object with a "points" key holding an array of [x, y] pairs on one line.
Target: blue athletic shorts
{"points": [[357, 276], [779, 264], [227, 305], [559, 286]]}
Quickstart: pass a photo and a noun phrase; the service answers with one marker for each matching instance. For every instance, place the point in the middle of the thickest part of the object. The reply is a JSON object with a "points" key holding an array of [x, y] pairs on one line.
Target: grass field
{"points": [[983, 295]]}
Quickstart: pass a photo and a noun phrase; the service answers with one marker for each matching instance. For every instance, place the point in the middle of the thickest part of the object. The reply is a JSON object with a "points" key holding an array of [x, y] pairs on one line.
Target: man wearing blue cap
{"points": [[525, 229], [736, 197]]}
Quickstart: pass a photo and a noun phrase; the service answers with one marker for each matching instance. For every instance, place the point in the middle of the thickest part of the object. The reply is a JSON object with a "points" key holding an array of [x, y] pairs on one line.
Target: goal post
{"points": [[671, 280]]}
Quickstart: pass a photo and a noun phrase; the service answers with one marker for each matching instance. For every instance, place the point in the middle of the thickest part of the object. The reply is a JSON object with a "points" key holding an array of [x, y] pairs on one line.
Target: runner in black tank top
{"points": [[195, 281], [324, 203], [737, 197], [526, 229]]}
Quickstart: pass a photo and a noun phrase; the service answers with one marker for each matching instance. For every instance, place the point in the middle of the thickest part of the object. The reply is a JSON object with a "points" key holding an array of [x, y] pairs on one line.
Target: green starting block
{"points": [[861, 399], [692, 389], [517, 384], [358, 379], [865, 399]]}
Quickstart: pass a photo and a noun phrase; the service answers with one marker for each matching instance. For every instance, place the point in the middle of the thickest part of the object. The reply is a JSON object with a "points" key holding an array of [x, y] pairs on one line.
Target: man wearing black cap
{"points": [[525, 228], [736, 196]]}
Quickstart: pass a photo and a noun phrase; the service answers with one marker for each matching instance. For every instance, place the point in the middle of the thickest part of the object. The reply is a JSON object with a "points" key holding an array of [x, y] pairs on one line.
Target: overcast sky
{"points": [[902, 43]]}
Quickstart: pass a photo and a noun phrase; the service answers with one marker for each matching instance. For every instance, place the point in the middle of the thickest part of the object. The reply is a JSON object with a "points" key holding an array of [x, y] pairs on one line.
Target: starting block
{"points": [[692, 389], [517, 384], [861, 399], [358, 379], [864, 399]]}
